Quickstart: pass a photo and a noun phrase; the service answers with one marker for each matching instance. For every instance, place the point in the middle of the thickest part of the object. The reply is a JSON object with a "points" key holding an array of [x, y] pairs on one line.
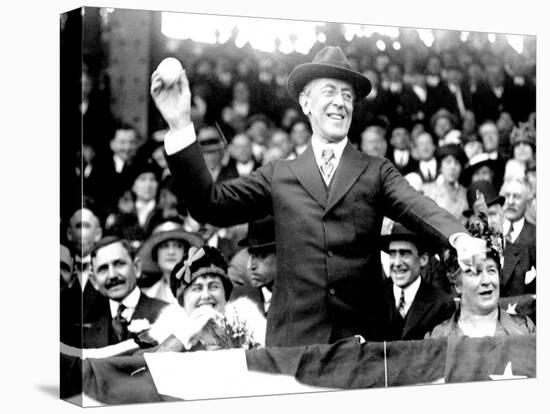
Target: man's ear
{"points": [[93, 280], [424, 259], [137, 267], [304, 103], [98, 234]]}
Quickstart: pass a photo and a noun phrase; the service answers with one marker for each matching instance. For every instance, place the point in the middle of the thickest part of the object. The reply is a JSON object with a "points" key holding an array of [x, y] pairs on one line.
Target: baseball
{"points": [[169, 70]]}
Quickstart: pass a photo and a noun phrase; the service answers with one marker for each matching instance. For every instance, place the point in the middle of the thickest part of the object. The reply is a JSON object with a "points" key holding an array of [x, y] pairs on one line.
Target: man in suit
{"points": [[415, 306], [400, 153], [262, 263], [424, 148], [328, 206], [113, 170], [115, 273], [518, 271], [80, 302]]}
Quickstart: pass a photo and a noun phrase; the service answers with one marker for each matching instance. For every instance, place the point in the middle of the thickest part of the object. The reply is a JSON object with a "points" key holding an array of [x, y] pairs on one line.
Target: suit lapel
{"points": [[421, 304], [307, 172], [349, 169], [511, 258]]}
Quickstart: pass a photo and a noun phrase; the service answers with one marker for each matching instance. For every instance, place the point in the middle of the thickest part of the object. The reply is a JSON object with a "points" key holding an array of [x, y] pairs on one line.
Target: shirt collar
{"points": [[119, 163], [518, 226], [129, 301], [318, 147], [410, 292]]}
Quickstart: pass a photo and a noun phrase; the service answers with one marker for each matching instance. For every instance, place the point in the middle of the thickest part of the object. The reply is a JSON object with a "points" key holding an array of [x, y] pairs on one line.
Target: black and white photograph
{"points": [[263, 207]]}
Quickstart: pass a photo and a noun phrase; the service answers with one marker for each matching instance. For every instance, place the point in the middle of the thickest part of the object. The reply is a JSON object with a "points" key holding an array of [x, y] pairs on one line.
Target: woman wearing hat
{"points": [[202, 288], [478, 288], [162, 251], [446, 190]]}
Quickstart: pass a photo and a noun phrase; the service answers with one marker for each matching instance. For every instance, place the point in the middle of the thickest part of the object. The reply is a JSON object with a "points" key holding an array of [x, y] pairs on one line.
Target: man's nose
{"points": [[338, 98]]}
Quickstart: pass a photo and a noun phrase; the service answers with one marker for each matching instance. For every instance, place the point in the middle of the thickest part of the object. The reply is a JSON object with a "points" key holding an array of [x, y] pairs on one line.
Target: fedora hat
{"points": [[261, 233], [329, 62], [489, 193], [402, 233]]}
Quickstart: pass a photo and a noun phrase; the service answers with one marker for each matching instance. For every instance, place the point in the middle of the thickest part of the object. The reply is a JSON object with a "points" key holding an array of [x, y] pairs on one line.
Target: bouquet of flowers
{"points": [[228, 333]]}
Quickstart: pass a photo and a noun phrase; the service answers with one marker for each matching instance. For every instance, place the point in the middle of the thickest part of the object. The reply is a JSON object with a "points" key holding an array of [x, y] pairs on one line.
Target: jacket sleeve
{"points": [[414, 210], [224, 204]]}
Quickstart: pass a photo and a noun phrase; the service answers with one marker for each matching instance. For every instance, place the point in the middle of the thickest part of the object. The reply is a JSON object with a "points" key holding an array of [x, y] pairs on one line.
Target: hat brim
{"points": [[306, 72], [413, 238], [468, 172], [152, 243], [249, 244]]}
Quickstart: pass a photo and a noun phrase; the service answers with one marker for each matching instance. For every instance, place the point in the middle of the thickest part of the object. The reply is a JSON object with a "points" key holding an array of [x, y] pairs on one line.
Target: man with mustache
{"points": [[114, 275], [328, 205]]}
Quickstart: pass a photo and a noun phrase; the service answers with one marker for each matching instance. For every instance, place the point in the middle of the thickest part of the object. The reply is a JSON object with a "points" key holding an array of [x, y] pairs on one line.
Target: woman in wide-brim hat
{"points": [[446, 190], [161, 252]]}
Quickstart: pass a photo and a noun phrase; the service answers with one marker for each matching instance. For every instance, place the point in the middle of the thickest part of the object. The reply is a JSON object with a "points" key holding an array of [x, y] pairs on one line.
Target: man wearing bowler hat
{"points": [[327, 204], [415, 305], [262, 263]]}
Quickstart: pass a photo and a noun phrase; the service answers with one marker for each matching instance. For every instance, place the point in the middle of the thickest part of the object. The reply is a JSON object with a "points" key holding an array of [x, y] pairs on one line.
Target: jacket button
{"points": [[331, 292], [330, 254]]}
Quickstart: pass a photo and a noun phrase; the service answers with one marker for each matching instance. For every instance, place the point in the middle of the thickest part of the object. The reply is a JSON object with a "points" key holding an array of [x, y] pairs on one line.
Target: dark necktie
{"points": [[401, 304], [508, 236], [120, 325]]}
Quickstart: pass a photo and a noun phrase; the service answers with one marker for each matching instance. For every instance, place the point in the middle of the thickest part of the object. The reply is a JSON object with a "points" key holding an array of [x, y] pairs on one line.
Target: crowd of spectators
{"points": [[448, 121]]}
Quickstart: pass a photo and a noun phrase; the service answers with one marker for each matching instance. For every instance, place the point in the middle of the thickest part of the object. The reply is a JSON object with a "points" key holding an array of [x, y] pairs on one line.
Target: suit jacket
{"points": [[100, 333], [77, 309], [410, 166], [519, 257], [430, 307], [329, 279]]}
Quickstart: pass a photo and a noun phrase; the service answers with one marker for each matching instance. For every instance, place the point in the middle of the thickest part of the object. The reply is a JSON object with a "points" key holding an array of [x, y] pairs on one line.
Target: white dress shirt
{"points": [[119, 163], [318, 147], [245, 169], [429, 168], [129, 301], [401, 157], [518, 226], [410, 293], [143, 209]]}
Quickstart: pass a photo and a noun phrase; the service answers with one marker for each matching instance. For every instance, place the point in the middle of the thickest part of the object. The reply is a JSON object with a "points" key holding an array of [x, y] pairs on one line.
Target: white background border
{"points": [[29, 328]]}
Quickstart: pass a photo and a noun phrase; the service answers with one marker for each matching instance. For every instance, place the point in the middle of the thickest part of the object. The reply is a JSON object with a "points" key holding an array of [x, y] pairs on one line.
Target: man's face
{"points": [[483, 173], [145, 186], [516, 199], [84, 230], [262, 267], [400, 138], [442, 126], [479, 292], [114, 272], [204, 291], [299, 134], [405, 262], [489, 136], [241, 148], [373, 143], [170, 253], [124, 144], [425, 147], [329, 105]]}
